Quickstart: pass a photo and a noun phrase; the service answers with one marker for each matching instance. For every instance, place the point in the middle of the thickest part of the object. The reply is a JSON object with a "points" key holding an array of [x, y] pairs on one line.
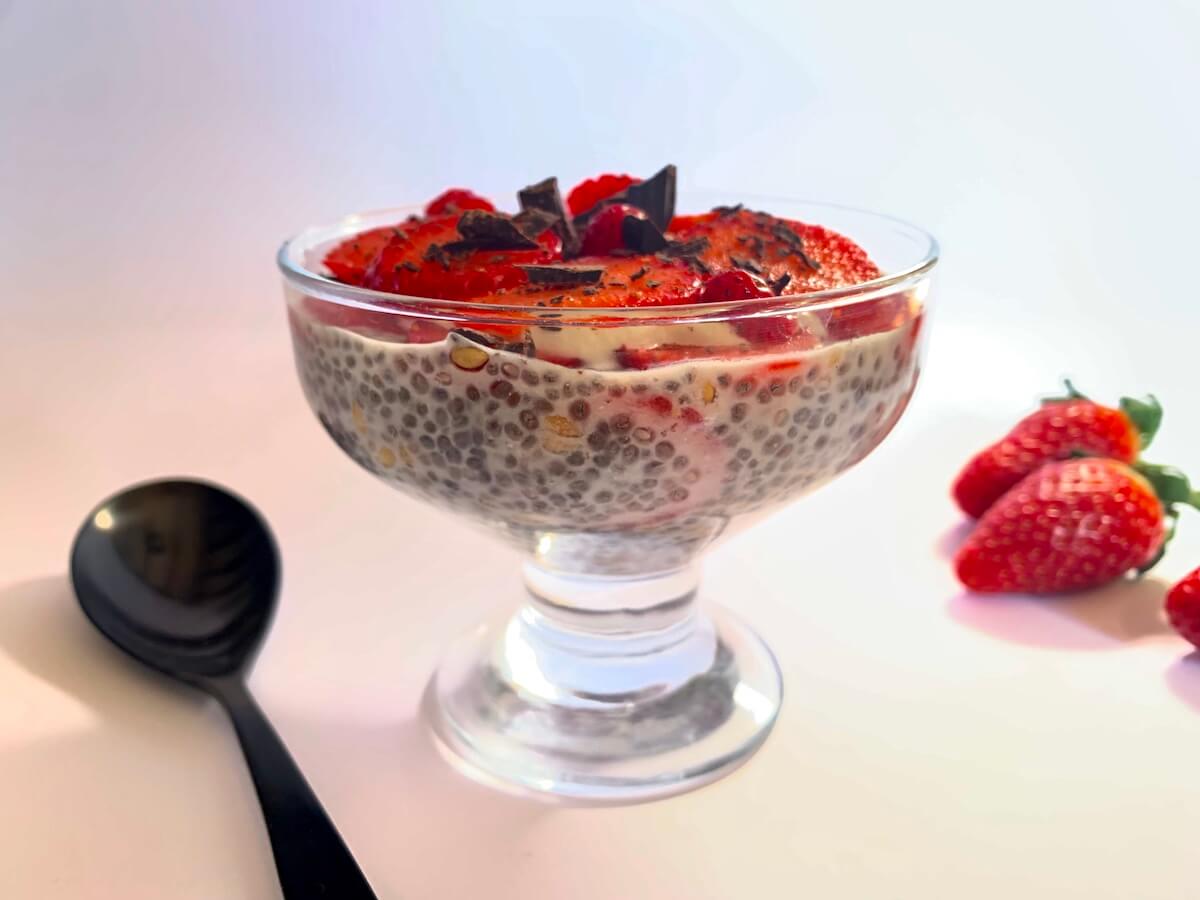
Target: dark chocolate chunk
{"points": [[638, 274], [562, 275], [726, 211], [781, 282], [655, 197], [545, 196], [641, 235], [482, 230], [532, 222]]}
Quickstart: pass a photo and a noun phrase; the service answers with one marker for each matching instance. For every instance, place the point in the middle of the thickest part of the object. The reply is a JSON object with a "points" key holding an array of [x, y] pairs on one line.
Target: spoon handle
{"points": [[310, 856]]}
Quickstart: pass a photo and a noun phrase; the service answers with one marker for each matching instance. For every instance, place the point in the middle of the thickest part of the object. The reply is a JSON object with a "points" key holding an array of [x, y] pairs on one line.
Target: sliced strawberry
{"points": [[738, 284], [603, 234], [415, 262], [588, 193], [861, 318], [635, 281], [733, 284], [791, 257], [457, 200], [683, 223], [348, 261], [569, 362]]}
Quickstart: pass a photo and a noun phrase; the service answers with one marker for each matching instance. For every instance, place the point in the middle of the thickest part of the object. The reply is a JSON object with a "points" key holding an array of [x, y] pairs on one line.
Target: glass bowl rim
{"points": [[327, 289]]}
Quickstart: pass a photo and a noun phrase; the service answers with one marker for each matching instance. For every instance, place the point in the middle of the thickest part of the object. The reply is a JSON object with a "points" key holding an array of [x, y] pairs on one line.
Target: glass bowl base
{"points": [[610, 720]]}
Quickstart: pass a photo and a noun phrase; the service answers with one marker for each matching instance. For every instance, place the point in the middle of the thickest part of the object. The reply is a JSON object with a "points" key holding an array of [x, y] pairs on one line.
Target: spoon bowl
{"points": [[182, 575]]}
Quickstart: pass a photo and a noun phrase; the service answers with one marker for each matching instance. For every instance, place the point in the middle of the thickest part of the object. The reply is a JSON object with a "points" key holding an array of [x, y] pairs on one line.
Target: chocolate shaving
{"points": [[655, 197], [748, 264], [562, 275], [795, 244], [781, 282], [725, 212], [680, 249], [545, 197], [408, 264], [638, 274], [653, 284], [438, 254], [688, 252], [642, 235]]}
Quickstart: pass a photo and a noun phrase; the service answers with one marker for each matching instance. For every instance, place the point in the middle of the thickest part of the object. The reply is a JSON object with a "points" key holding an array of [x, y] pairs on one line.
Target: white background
{"points": [[152, 157]]}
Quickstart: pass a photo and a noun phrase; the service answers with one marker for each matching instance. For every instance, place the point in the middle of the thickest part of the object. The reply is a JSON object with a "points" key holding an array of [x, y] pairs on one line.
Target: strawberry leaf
{"points": [[1171, 485], [1146, 415]]}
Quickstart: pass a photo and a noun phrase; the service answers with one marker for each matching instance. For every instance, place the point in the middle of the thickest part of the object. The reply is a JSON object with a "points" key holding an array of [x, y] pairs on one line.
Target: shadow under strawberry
{"points": [[1105, 618], [1183, 678], [952, 538]]}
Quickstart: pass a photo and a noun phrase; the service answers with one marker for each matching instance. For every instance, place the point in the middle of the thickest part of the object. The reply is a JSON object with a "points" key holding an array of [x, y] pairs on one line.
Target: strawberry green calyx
{"points": [[1174, 489], [1145, 413], [1170, 484]]}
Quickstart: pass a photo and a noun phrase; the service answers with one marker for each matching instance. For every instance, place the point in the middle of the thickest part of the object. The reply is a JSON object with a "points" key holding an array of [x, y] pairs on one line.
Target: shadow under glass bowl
{"points": [[610, 682]]}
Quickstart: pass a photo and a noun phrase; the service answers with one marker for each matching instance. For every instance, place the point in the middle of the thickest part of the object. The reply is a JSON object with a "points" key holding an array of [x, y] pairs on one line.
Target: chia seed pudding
{"points": [[673, 452], [546, 408]]}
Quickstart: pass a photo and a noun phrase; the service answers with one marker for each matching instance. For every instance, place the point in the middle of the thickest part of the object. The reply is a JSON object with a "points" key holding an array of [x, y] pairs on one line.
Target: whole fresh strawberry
{"points": [[1183, 607], [1062, 428], [1072, 525]]}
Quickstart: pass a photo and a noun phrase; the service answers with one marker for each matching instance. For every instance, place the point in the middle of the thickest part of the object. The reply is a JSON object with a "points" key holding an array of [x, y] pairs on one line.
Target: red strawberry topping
{"points": [[420, 262], [348, 261], [588, 193], [456, 200], [603, 234]]}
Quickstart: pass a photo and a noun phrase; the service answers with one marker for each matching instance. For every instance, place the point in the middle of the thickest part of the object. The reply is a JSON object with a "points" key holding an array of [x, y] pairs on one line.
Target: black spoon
{"points": [[184, 577]]}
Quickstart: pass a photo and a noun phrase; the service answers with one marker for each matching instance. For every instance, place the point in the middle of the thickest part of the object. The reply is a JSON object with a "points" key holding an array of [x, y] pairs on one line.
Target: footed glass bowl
{"points": [[612, 447]]}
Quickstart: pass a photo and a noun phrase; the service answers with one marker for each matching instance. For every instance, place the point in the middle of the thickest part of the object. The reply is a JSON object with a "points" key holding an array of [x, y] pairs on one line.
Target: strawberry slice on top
{"points": [[433, 260], [588, 193], [790, 257], [594, 282], [348, 261]]}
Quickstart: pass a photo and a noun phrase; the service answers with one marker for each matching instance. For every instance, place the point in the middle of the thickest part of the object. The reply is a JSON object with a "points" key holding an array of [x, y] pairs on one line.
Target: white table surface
{"points": [[931, 744]]}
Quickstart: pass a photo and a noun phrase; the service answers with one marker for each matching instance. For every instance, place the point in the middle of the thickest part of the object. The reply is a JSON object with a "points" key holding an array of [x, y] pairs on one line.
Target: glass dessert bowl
{"points": [[612, 442]]}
